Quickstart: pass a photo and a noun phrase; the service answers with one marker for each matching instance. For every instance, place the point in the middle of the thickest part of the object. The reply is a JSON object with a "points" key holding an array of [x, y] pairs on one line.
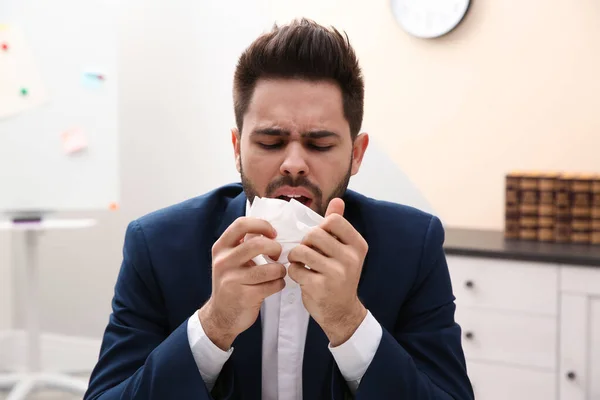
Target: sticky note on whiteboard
{"points": [[73, 141], [93, 79], [21, 85]]}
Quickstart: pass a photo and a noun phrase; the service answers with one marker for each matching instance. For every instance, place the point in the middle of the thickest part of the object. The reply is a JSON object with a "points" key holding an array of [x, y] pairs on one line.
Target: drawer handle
{"points": [[469, 284], [469, 335], [571, 375]]}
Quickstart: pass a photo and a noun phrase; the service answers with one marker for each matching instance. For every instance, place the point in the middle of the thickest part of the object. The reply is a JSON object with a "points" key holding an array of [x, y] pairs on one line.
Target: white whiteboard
{"points": [[58, 105]]}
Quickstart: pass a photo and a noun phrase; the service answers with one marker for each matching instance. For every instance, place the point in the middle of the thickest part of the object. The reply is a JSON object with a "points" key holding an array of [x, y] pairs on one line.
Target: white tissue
{"points": [[292, 220]]}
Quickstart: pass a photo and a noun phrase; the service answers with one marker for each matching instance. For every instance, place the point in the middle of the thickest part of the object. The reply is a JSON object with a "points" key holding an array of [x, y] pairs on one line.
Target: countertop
{"points": [[491, 244]]}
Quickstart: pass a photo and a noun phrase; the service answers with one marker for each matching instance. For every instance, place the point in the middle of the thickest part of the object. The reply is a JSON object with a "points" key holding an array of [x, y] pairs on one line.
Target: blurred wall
{"points": [[513, 87]]}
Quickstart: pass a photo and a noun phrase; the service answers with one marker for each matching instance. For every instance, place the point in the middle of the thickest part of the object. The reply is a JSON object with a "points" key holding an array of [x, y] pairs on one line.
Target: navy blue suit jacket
{"points": [[166, 276]]}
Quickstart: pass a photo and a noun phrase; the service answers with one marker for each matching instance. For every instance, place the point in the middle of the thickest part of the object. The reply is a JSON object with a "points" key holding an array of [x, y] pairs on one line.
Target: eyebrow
{"points": [[317, 134]]}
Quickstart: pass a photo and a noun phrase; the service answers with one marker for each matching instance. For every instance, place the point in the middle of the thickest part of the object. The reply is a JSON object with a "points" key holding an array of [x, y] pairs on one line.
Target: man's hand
{"points": [[238, 285], [335, 253]]}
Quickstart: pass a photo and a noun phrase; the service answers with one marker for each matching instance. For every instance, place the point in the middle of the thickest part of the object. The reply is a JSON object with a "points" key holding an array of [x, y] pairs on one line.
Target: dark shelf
{"points": [[492, 244]]}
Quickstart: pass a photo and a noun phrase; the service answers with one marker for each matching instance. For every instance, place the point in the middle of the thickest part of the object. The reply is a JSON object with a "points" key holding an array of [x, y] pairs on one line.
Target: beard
{"points": [[318, 204]]}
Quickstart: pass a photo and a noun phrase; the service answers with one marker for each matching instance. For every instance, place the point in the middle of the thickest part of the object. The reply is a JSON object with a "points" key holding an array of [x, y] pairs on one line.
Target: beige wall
{"points": [[515, 86]]}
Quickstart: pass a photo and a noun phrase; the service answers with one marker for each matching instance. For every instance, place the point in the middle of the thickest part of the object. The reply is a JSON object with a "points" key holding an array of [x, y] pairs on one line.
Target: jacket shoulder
{"points": [[397, 230]]}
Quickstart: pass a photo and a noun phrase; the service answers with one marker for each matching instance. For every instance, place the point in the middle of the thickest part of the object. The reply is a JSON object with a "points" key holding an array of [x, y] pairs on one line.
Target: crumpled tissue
{"points": [[292, 220]]}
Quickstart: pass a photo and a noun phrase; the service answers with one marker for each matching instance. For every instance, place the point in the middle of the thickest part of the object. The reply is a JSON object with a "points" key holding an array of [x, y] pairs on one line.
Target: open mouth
{"points": [[302, 199]]}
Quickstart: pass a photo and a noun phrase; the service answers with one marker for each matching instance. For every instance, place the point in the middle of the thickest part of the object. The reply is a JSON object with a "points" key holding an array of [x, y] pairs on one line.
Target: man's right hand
{"points": [[238, 285]]}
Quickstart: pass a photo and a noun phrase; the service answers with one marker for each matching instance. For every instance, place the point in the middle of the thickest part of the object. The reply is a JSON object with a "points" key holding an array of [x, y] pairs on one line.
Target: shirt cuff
{"points": [[208, 356], [354, 356]]}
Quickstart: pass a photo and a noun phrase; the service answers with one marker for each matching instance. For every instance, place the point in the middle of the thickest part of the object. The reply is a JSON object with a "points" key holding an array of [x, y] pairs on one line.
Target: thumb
{"points": [[336, 206]]}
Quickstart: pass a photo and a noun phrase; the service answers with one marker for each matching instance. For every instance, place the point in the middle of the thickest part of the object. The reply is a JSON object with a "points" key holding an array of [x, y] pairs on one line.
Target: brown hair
{"points": [[301, 50]]}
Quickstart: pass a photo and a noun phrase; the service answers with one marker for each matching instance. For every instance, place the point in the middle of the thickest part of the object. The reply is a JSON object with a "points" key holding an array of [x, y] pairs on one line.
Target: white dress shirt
{"points": [[284, 325]]}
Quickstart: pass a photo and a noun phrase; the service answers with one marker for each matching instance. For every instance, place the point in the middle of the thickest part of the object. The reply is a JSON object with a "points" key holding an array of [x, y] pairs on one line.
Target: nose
{"points": [[294, 162]]}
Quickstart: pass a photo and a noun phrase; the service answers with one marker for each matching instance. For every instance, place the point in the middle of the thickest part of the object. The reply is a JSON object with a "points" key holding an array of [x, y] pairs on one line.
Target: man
{"points": [[373, 318]]}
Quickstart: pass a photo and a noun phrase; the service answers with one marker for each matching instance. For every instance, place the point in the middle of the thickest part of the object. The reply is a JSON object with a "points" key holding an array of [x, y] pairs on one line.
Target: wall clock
{"points": [[429, 18]]}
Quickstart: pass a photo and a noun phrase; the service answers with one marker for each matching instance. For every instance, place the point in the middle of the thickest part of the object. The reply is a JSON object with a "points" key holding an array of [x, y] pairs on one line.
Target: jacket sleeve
{"points": [[422, 357], [139, 358]]}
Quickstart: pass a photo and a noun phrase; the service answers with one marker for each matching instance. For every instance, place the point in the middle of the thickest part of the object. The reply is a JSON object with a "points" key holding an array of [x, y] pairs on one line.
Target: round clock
{"points": [[429, 18]]}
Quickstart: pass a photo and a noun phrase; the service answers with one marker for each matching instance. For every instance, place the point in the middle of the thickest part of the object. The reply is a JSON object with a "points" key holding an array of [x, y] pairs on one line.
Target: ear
{"points": [[236, 142], [358, 151]]}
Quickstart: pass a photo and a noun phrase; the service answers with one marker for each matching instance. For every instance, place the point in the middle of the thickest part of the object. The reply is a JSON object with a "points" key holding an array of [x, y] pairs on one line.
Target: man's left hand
{"points": [[334, 251]]}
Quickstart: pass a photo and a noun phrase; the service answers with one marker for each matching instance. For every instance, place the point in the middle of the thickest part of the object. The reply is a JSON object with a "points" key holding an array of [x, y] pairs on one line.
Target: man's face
{"points": [[296, 143]]}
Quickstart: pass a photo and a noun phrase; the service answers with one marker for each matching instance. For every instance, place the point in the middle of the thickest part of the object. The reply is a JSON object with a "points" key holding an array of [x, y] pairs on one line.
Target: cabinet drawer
{"points": [[584, 280], [516, 339], [504, 285], [499, 382]]}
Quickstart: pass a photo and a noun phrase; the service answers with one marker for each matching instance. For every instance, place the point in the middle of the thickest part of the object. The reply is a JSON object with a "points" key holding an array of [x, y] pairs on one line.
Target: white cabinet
{"points": [[573, 347], [502, 337], [504, 285], [594, 354], [501, 382], [530, 330], [579, 376]]}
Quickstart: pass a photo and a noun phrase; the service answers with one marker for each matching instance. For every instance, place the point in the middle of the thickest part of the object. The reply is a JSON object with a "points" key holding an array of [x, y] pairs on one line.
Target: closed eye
{"points": [[270, 146], [278, 145], [319, 148]]}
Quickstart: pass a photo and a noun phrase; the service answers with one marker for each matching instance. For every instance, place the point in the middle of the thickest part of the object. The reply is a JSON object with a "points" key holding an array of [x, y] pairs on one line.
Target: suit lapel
{"points": [[317, 368], [247, 355], [235, 209], [317, 363], [247, 362]]}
